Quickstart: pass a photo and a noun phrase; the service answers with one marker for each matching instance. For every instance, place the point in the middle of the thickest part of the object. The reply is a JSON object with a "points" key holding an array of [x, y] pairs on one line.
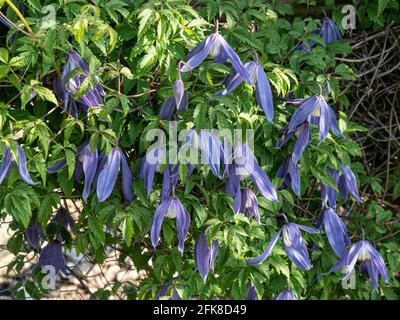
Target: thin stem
{"points": [[284, 217], [216, 26], [20, 16]]}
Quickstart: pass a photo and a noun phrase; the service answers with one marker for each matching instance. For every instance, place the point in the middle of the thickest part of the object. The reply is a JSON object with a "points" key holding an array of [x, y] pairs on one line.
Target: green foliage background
{"points": [[141, 43]]}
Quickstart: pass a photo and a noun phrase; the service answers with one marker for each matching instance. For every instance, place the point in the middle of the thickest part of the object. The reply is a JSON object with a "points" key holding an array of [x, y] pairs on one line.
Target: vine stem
{"points": [[20, 16]]}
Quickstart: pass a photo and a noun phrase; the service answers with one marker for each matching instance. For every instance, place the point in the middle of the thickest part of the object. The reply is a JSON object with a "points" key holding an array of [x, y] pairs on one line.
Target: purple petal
{"points": [[302, 112], [182, 222], [108, 175], [264, 94], [158, 219], [89, 162], [5, 164], [199, 55], [267, 251], [22, 167]]}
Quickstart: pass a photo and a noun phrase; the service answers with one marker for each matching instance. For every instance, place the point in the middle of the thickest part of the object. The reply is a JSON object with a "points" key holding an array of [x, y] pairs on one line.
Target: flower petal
{"points": [[267, 251], [108, 175]]}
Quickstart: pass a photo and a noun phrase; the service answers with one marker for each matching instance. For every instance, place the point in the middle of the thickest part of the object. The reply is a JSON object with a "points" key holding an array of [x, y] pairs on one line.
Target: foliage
{"points": [[134, 47]]}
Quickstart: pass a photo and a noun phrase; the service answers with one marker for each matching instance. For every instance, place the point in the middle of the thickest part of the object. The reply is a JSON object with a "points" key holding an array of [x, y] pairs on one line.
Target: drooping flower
{"points": [[108, 172], [75, 72], [179, 101], [335, 230], [52, 255], [371, 261], [315, 110], [171, 208], [204, 256], [34, 233], [249, 205], [86, 162], [220, 50], [329, 31], [303, 134], [293, 245], [149, 165], [347, 183], [326, 29], [243, 165], [9, 161], [164, 291], [260, 81], [286, 294], [212, 151], [170, 180], [63, 217], [289, 172], [251, 293]]}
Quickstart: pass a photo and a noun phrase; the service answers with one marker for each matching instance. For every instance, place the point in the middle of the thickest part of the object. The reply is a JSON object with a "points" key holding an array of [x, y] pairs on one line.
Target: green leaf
{"points": [[345, 71], [128, 231], [70, 156], [46, 94], [96, 229]]}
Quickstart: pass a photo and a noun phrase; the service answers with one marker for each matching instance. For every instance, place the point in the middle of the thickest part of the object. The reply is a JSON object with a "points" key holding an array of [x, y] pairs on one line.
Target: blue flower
{"points": [[164, 291], [289, 172], [204, 256], [315, 110], [260, 81], [107, 176], [179, 101], [293, 245], [335, 230], [149, 165], [346, 183], [171, 208], [34, 233], [9, 161], [75, 72], [249, 204], [371, 261], [220, 50], [251, 293], [286, 294], [327, 30], [244, 164], [86, 163], [212, 152], [52, 255]]}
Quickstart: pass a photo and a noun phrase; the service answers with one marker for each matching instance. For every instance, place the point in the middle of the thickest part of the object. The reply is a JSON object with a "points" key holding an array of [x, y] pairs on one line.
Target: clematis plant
{"points": [[204, 256], [108, 172], [315, 110], [293, 245], [335, 231], [9, 161], [243, 165], [261, 83], [85, 165], [171, 208], [216, 46], [286, 294], [52, 255], [75, 73], [371, 262]]}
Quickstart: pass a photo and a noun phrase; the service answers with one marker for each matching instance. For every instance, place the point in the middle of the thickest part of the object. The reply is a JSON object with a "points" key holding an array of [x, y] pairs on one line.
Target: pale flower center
{"points": [[286, 240], [171, 213], [364, 254]]}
